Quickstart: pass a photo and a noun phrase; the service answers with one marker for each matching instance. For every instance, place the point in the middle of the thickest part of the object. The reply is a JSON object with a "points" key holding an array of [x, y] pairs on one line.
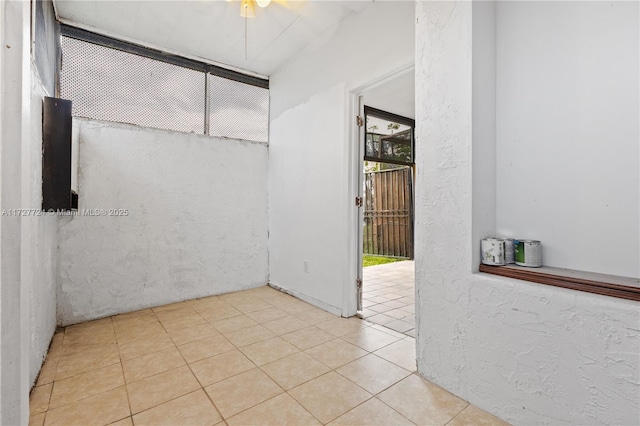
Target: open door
{"points": [[361, 139], [385, 218]]}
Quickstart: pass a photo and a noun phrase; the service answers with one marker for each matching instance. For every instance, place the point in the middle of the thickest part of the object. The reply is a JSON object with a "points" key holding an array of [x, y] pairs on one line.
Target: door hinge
{"points": [[359, 121], [359, 283], [358, 201]]}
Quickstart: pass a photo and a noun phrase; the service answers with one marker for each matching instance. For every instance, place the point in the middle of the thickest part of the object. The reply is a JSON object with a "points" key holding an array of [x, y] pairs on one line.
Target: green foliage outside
{"points": [[368, 260]]}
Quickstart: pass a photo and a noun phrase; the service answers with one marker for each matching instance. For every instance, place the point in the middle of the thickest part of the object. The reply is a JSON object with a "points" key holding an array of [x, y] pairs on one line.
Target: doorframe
{"points": [[355, 168]]}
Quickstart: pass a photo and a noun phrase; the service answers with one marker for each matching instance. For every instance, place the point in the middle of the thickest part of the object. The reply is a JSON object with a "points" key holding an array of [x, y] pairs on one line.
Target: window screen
{"points": [[109, 84], [238, 110], [389, 137]]}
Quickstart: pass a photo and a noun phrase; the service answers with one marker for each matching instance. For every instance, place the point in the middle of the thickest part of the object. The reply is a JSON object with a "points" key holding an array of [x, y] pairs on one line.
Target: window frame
{"points": [[385, 115]]}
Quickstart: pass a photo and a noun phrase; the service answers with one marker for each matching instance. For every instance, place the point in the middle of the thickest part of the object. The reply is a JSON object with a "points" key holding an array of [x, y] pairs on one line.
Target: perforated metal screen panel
{"points": [[238, 110], [109, 84]]}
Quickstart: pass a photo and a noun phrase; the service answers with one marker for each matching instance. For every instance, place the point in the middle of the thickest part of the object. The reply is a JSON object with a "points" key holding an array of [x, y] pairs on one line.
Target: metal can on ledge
{"points": [[509, 250], [492, 251], [528, 253]]}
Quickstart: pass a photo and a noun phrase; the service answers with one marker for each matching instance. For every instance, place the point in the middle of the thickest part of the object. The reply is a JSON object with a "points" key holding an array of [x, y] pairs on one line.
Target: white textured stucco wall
{"points": [[39, 242], [310, 163], [529, 353], [196, 224], [16, 142]]}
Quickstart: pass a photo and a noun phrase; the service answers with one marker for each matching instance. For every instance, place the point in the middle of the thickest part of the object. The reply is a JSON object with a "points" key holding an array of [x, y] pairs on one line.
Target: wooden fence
{"points": [[388, 214]]}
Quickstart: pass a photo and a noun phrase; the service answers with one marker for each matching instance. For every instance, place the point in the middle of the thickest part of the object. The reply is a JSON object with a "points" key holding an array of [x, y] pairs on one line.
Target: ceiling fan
{"points": [[248, 10]]}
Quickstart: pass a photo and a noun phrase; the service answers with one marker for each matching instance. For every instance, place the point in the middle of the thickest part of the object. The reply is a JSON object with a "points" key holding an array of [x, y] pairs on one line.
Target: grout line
{"points": [[465, 407], [238, 348]]}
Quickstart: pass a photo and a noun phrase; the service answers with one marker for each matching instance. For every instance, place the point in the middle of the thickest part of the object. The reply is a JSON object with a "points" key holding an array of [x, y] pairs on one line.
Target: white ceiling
{"points": [[396, 95], [213, 30]]}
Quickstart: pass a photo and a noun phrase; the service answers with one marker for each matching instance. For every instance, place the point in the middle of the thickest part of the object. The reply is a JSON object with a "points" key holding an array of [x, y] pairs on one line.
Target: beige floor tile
{"points": [[193, 409], [100, 409], [422, 402], [127, 328], [315, 316], [234, 323], [388, 331], [295, 370], [401, 326], [279, 411], [243, 391], [124, 422], [262, 353], [39, 398], [236, 296], [370, 339], [184, 321], [286, 325], [372, 413], [294, 306], [342, 326], [249, 335], [142, 317], [397, 313], [36, 419], [277, 298], [473, 416], [261, 292], [249, 305], [151, 364], [85, 385], [93, 325], [308, 337], [205, 348], [372, 373], [47, 372], [173, 312], [329, 396], [55, 347], [87, 359], [138, 332], [336, 353], [191, 334], [136, 348], [380, 309], [218, 313], [402, 353], [91, 333], [266, 315], [221, 367], [155, 390]]}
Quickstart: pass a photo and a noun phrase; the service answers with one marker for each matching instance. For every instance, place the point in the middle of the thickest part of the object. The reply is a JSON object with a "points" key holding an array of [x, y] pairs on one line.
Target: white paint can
{"points": [[492, 251], [528, 253], [509, 250]]}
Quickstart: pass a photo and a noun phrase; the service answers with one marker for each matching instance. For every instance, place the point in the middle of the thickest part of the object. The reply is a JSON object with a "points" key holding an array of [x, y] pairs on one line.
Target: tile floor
{"points": [[388, 296], [256, 357]]}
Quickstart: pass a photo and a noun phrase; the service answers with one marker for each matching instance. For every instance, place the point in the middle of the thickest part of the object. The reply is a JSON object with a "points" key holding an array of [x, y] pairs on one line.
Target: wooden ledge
{"points": [[608, 285]]}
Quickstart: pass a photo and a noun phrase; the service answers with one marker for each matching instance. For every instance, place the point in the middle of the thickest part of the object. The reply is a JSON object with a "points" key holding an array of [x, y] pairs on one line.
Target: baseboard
{"points": [[310, 300]]}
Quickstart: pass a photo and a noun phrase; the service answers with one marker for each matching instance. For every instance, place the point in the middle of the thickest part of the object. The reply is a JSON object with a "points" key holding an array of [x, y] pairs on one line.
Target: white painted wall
{"points": [[311, 188], [39, 241], [16, 141], [568, 129], [529, 353], [197, 222]]}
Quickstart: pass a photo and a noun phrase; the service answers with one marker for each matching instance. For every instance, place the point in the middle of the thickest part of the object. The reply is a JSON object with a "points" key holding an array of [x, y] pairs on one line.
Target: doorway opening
{"points": [[387, 295]]}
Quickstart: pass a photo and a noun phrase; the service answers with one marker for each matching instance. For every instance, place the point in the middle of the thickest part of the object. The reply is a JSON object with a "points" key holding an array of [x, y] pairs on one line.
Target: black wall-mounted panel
{"points": [[56, 154]]}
